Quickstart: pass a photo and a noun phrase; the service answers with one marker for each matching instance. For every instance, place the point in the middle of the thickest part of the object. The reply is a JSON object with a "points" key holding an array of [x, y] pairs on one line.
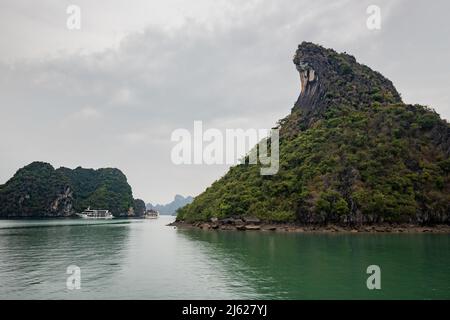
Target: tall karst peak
{"points": [[330, 79]]}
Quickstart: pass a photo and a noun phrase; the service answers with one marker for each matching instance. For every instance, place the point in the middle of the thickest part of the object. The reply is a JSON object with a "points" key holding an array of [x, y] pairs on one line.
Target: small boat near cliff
{"points": [[95, 214], [151, 214]]}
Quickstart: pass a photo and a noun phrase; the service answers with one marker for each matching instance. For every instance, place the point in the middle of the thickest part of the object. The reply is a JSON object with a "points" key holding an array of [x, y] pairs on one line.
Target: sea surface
{"points": [[146, 259]]}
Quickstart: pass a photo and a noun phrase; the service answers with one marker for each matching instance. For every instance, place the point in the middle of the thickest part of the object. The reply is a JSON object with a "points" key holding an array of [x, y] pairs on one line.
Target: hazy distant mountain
{"points": [[170, 208]]}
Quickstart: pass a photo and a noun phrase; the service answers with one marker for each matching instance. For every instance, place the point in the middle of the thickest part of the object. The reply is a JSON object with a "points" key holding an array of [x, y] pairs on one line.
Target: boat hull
{"points": [[85, 216]]}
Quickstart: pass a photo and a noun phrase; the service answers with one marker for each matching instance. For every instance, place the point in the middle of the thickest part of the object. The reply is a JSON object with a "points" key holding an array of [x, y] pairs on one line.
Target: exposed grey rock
{"points": [[252, 220], [252, 227]]}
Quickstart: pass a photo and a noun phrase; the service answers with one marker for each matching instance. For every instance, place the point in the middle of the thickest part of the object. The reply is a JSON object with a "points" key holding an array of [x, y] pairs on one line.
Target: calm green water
{"points": [[132, 259]]}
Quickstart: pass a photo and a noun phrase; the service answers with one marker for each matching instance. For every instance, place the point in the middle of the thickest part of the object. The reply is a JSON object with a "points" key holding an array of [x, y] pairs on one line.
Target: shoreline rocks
{"points": [[254, 224]]}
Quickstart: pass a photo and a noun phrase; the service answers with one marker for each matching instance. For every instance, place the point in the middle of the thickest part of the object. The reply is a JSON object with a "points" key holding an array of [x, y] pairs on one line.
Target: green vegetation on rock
{"points": [[105, 188]]}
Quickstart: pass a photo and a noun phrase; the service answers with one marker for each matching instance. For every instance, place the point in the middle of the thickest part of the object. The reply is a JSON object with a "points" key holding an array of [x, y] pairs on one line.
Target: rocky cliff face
{"points": [[62, 205], [330, 79], [351, 152]]}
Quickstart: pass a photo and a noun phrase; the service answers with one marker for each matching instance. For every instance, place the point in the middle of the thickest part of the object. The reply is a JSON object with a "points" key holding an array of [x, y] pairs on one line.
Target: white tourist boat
{"points": [[151, 214], [95, 214]]}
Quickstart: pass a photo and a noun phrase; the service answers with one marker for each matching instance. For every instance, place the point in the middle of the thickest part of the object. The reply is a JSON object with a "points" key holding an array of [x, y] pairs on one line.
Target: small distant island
{"points": [[353, 156], [171, 207], [38, 190]]}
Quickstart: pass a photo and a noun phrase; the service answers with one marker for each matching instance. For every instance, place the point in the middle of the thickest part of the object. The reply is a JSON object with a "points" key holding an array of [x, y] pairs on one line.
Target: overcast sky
{"points": [[111, 93]]}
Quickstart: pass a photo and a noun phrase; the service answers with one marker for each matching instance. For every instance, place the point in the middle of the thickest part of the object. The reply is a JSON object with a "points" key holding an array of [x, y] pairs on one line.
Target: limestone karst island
{"points": [[351, 154]]}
